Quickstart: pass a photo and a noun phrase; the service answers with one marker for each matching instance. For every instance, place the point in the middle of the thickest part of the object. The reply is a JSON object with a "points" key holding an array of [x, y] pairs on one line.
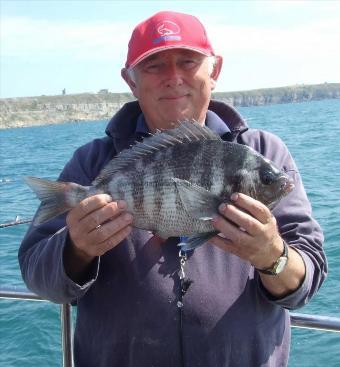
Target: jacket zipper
{"points": [[184, 286]]}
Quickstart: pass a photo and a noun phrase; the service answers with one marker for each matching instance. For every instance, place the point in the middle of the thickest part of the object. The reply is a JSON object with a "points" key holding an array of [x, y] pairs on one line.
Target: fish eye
{"points": [[267, 177]]}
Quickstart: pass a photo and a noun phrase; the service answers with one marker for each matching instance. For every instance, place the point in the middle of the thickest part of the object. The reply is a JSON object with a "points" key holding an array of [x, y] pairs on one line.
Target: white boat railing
{"points": [[23, 294], [324, 323], [305, 321]]}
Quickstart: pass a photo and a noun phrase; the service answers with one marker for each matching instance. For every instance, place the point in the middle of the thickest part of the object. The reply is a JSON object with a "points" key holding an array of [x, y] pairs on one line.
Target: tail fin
{"points": [[56, 197]]}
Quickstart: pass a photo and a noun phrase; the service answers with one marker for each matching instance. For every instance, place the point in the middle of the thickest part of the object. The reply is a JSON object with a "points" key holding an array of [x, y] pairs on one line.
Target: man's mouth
{"points": [[173, 98]]}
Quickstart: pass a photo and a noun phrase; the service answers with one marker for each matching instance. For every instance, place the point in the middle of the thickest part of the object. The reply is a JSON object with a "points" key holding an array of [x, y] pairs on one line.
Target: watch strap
{"points": [[272, 269]]}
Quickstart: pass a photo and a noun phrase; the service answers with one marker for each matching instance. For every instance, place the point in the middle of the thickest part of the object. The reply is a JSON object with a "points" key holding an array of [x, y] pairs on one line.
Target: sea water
{"points": [[30, 330]]}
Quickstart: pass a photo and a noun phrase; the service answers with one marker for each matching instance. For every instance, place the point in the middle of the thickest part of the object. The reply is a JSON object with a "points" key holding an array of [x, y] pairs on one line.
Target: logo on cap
{"points": [[168, 31]]}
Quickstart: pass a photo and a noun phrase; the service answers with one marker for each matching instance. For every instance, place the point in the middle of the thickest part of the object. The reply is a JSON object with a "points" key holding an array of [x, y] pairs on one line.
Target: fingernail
{"points": [[215, 219], [234, 196], [222, 207], [127, 217], [121, 204], [108, 198]]}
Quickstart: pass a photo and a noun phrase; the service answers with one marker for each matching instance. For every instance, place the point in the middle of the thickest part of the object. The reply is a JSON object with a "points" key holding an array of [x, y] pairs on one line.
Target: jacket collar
{"points": [[213, 121], [221, 118]]}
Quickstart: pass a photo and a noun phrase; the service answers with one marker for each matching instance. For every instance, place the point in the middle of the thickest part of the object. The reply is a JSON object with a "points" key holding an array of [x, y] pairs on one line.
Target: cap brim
{"points": [[167, 47]]}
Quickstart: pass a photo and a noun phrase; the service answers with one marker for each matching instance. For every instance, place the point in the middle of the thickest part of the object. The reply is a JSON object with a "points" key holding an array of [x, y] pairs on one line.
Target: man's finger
{"points": [[103, 232], [100, 216], [113, 241], [88, 205], [253, 207], [234, 233], [241, 219]]}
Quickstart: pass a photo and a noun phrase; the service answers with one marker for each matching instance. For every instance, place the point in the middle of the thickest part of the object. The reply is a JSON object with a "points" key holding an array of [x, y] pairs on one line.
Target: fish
{"points": [[173, 182]]}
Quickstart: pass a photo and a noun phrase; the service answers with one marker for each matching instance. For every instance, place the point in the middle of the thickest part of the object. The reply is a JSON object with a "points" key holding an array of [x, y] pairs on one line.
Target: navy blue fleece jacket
{"points": [[127, 312]]}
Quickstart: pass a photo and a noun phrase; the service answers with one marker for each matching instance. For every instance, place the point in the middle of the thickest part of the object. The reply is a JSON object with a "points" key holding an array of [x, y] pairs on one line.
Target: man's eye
{"points": [[189, 64], [152, 68]]}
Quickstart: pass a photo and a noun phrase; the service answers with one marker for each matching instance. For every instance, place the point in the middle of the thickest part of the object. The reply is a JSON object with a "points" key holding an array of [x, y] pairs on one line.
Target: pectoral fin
{"points": [[195, 241], [198, 202]]}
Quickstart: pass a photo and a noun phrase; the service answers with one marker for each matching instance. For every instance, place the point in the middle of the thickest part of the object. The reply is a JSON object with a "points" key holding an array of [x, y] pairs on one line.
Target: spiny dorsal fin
{"points": [[186, 132]]}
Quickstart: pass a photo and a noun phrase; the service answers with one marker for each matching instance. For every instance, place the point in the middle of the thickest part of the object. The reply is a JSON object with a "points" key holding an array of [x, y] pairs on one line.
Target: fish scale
{"points": [[173, 182]]}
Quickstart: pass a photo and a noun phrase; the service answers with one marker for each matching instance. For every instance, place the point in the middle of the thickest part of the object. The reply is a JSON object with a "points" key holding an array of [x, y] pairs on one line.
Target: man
{"points": [[132, 307]]}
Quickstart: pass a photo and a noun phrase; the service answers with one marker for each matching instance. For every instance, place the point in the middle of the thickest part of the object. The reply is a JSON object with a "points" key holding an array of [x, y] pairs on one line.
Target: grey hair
{"points": [[131, 74], [212, 61]]}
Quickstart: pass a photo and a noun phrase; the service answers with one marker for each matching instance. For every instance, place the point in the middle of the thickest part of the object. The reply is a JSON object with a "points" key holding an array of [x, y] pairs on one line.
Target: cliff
{"points": [[28, 111], [291, 94], [43, 110]]}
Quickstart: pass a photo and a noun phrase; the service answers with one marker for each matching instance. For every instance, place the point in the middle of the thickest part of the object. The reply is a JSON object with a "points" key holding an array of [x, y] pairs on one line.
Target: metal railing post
{"points": [[66, 334], [24, 294], [318, 322]]}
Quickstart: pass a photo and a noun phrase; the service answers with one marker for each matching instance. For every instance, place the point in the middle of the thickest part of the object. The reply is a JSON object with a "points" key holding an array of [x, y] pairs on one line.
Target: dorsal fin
{"points": [[187, 132]]}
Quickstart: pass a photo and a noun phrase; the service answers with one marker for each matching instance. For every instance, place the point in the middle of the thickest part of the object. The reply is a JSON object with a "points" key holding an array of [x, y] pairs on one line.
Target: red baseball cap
{"points": [[166, 30]]}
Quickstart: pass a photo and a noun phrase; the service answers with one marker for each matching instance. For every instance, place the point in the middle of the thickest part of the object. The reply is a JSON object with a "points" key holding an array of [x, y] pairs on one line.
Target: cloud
{"points": [[23, 37], [279, 6], [254, 55], [301, 54], [20, 36], [321, 37]]}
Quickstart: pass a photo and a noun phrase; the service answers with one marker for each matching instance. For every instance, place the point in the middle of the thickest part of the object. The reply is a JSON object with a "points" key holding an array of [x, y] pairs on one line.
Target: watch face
{"points": [[281, 264]]}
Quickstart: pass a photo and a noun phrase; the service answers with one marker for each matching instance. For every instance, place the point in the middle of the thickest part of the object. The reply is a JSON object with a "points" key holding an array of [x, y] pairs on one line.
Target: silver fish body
{"points": [[174, 181]]}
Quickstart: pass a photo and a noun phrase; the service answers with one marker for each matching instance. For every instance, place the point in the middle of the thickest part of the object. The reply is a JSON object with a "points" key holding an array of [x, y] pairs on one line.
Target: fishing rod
{"points": [[15, 222]]}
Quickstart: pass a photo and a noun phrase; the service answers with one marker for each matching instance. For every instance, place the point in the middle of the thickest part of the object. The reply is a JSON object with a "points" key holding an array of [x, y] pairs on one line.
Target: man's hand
{"points": [[249, 230], [96, 225]]}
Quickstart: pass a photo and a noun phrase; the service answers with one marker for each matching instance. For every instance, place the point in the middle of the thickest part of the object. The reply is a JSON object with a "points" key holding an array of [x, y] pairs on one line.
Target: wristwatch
{"points": [[279, 264]]}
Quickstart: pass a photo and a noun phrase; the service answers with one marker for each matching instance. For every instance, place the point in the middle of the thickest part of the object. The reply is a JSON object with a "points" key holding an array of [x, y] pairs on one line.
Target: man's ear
{"points": [[216, 71], [126, 76]]}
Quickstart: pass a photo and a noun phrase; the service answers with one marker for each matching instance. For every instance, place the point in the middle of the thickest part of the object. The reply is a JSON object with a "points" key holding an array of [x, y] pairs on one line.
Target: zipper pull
{"points": [[185, 282]]}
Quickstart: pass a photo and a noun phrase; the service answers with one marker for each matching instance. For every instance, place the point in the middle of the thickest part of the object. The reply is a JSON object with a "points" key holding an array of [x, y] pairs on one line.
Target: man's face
{"points": [[172, 86]]}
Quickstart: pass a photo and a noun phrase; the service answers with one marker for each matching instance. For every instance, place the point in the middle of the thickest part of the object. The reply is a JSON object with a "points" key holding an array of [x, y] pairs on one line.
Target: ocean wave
{"points": [[6, 180]]}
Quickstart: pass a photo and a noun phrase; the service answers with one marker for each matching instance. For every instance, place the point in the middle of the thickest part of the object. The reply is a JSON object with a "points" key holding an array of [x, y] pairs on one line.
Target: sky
{"points": [[81, 46]]}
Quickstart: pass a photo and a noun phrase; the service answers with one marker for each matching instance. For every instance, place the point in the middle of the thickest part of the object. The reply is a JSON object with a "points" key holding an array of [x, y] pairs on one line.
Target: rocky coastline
{"points": [[43, 110]]}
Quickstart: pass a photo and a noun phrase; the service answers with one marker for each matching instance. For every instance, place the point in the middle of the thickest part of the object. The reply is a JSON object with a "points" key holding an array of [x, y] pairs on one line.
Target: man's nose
{"points": [[173, 75]]}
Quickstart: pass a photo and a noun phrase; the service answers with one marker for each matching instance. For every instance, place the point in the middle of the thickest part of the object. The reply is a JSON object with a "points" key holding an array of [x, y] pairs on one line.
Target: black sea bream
{"points": [[173, 182]]}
